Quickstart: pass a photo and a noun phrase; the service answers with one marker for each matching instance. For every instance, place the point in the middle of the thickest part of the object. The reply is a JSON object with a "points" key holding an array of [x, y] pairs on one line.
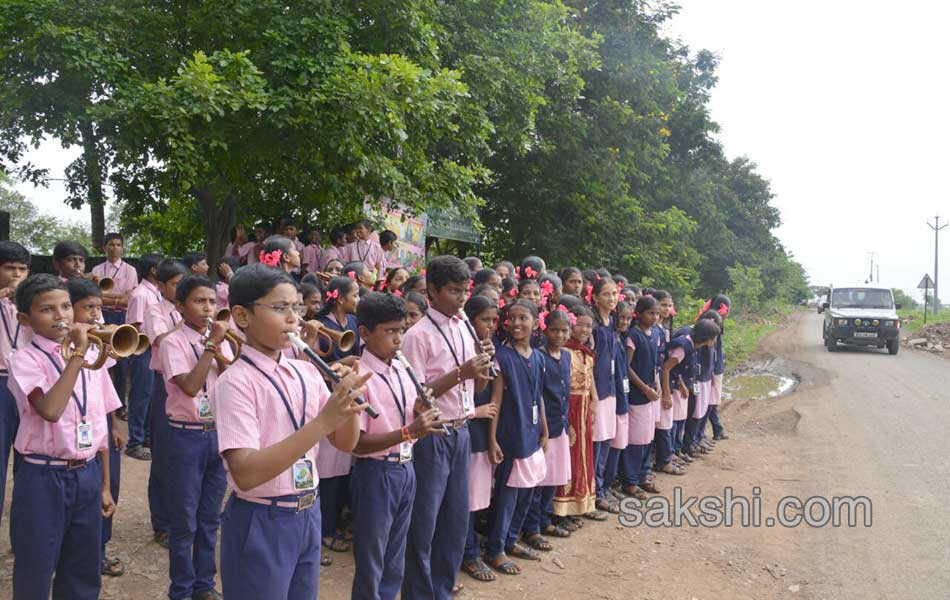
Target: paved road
{"points": [[878, 426]]}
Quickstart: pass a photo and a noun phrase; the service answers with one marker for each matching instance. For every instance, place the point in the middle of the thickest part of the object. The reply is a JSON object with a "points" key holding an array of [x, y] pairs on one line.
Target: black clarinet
{"points": [[492, 371], [421, 391], [325, 369]]}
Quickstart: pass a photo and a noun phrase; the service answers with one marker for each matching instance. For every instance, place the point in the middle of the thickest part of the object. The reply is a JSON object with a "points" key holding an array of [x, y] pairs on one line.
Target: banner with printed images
{"points": [[410, 230]]}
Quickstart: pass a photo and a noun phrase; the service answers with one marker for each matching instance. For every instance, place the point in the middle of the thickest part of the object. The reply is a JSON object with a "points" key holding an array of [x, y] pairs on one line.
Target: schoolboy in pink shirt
{"points": [[383, 481], [336, 249], [366, 250], [69, 259], [192, 357], [61, 490], [160, 321], [140, 393], [14, 268], [312, 253], [271, 412]]}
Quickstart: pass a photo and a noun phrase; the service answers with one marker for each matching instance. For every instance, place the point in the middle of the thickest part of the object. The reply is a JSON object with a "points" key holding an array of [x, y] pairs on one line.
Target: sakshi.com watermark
{"points": [[737, 510]]}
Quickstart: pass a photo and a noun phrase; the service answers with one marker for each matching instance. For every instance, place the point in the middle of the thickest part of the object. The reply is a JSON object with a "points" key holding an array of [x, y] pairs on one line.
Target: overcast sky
{"points": [[843, 106]]}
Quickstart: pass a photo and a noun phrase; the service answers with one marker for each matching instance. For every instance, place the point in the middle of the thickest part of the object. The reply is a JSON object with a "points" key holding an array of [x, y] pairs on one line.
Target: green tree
{"points": [[904, 299], [747, 288]]}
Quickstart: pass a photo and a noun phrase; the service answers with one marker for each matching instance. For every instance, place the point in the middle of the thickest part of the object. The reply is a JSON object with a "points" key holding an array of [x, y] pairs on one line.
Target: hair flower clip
{"points": [[589, 296], [723, 310], [547, 288], [542, 317], [397, 293], [271, 259], [332, 295], [573, 318], [352, 275], [517, 272], [529, 272], [513, 292]]}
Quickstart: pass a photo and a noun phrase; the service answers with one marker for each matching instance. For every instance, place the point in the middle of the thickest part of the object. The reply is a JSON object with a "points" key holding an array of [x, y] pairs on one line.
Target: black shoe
{"points": [[209, 594]]}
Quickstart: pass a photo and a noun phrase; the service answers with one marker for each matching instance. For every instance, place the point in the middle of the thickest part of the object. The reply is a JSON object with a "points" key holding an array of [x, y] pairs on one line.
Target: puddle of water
{"points": [[752, 386]]}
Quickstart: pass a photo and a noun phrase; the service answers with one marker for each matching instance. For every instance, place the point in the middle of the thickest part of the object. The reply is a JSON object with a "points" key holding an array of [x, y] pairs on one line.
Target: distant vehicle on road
{"points": [[861, 315]]}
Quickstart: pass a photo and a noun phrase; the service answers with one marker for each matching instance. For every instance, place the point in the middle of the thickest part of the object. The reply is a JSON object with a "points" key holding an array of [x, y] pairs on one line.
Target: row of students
{"points": [[524, 406]]}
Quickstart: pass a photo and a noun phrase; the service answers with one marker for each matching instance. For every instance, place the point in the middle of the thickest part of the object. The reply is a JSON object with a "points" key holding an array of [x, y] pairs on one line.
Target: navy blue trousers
{"points": [[140, 398], [9, 423], [55, 528], [677, 434], [663, 445], [691, 432], [636, 463], [473, 548], [601, 452], [510, 509], [539, 510], [158, 469], [610, 469], [701, 433], [334, 495], [438, 528], [120, 372], [196, 474], [269, 552], [381, 496], [115, 477], [715, 421]]}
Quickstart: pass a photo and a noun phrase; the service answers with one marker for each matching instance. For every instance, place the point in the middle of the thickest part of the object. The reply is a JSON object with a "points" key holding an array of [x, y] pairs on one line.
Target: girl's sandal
{"points": [[596, 515], [502, 564], [536, 541], [523, 552], [634, 492], [671, 469], [556, 531], [325, 559], [576, 521], [478, 570], [650, 487], [566, 524], [337, 543], [610, 506], [112, 567]]}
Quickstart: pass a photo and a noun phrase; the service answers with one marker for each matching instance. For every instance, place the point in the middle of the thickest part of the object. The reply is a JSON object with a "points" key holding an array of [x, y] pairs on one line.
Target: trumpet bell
{"points": [[344, 340], [66, 349], [122, 339], [105, 283], [223, 315], [144, 345], [235, 344]]}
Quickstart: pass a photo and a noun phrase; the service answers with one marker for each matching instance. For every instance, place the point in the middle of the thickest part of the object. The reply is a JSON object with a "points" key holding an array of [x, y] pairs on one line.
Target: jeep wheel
{"points": [[893, 346], [831, 343]]}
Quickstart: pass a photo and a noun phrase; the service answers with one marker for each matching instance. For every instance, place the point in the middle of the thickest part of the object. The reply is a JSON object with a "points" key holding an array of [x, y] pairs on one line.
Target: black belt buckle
{"points": [[75, 463], [206, 427], [305, 501]]}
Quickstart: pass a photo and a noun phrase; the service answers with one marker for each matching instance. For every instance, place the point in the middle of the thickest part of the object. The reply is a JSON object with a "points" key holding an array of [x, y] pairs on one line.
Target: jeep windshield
{"points": [[862, 298]]}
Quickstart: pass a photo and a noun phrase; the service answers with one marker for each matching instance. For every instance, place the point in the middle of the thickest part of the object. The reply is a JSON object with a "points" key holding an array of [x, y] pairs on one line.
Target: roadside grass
{"points": [[745, 330], [912, 319]]}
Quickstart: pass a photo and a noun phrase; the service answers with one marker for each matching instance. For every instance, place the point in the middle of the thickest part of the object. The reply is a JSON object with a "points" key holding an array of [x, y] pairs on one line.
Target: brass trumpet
{"points": [[123, 340], [105, 283], [223, 314], [144, 345], [343, 339], [231, 337]]}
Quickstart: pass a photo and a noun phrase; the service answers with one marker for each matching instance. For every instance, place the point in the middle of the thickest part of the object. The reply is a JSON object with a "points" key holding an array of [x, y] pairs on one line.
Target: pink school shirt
{"points": [[250, 413], [430, 357], [240, 252], [122, 273], [310, 258], [370, 253], [177, 356], [380, 396], [12, 335], [161, 317], [143, 296], [31, 369], [331, 253], [221, 294]]}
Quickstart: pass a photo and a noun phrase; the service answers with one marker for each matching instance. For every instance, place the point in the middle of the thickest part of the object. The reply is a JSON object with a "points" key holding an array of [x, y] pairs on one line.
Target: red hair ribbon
{"points": [[704, 309], [619, 286], [590, 294], [471, 283], [529, 272], [573, 318], [541, 320], [547, 288], [517, 272], [271, 259], [501, 303], [723, 310], [333, 294], [352, 275], [513, 292], [397, 293], [382, 284]]}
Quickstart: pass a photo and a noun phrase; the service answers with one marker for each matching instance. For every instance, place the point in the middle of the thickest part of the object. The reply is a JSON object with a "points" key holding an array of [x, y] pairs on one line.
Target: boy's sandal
{"points": [[650, 487], [139, 453], [634, 492], [112, 567], [555, 531], [337, 543], [610, 506], [518, 550], [504, 565], [566, 524], [536, 541], [325, 559], [671, 469], [721, 436], [650, 476], [596, 515], [575, 520], [478, 570]]}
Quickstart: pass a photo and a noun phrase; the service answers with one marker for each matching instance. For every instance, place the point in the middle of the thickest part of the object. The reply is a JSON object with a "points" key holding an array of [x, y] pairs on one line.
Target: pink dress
{"points": [[558, 461], [622, 438], [605, 427], [641, 424], [480, 480], [680, 405], [528, 472], [715, 398], [702, 399]]}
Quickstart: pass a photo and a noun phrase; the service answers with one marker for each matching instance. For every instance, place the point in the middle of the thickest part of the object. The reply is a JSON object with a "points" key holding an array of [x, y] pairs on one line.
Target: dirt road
{"points": [[862, 423]]}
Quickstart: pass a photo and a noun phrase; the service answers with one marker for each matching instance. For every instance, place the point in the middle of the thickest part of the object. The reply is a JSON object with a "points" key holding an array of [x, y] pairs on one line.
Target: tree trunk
{"points": [[96, 200], [219, 216]]}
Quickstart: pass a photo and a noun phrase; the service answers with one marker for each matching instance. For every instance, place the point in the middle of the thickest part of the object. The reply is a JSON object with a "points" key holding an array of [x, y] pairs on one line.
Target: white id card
{"points": [[534, 414], [626, 386], [466, 402], [303, 474], [84, 436], [696, 388], [204, 407], [613, 368], [405, 452]]}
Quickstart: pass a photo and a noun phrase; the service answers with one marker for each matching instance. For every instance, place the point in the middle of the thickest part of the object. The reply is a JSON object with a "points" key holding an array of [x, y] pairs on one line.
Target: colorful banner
{"points": [[410, 250]]}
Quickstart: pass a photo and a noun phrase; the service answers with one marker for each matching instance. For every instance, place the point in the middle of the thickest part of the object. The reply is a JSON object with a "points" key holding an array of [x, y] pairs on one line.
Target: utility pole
{"points": [[936, 227], [871, 272]]}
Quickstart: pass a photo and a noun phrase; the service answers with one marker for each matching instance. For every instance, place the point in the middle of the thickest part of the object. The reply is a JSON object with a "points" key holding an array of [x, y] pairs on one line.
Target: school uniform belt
{"points": [[193, 426], [393, 457], [302, 502], [4, 373], [49, 461], [457, 423]]}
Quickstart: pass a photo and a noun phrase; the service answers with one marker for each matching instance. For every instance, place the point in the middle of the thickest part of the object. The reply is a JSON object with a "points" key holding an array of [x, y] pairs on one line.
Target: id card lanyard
{"points": [[458, 363], [405, 448], [16, 332], [535, 410], [83, 429], [204, 405]]}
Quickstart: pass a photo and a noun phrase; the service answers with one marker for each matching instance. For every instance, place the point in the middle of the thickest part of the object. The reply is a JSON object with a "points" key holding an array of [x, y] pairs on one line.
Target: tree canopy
{"points": [[574, 130]]}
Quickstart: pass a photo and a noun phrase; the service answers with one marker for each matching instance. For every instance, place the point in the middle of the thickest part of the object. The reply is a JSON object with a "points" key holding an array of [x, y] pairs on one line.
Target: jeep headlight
{"points": [[888, 323], [857, 322], [841, 322]]}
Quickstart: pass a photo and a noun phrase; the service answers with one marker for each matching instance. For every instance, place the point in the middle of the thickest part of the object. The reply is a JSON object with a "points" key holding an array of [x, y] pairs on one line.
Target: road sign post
{"points": [[925, 284]]}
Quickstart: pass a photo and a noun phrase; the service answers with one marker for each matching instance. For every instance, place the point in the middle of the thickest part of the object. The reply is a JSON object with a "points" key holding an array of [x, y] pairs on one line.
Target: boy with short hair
{"points": [[366, 250], [14, 268], [197, 263], [335, 250], [312, 253], [383, 481], [69, 259], [140, 393], [61, 490]]}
